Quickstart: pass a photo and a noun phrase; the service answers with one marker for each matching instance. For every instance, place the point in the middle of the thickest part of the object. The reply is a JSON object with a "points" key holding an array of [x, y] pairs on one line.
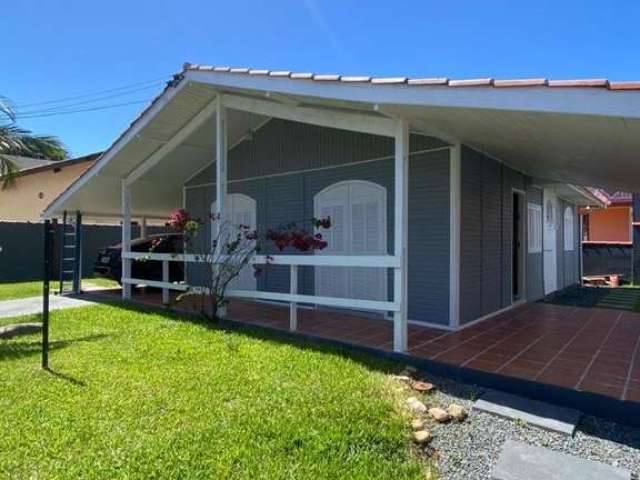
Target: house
{"points": [[607, 238], [452, 200], [610, 223], [37, 183], [454, 204]]}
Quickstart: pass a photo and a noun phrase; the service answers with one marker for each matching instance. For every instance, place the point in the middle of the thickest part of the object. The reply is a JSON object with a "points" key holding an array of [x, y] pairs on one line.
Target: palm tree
{"points": [[19, 141]]}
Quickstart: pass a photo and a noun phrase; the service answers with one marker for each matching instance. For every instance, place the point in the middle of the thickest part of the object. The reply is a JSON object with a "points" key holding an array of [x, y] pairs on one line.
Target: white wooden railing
{"points": [[294, 262]]}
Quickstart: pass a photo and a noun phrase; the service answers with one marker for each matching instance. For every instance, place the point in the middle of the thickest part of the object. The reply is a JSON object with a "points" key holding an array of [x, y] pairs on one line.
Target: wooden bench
{"points": [[609, 280]]}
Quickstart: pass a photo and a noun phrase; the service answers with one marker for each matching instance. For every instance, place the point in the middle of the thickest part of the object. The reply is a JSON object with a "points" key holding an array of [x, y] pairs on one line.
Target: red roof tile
{"points": [[587, 82], [523, 82], [473, 82], [428, 81], [417, 82]]}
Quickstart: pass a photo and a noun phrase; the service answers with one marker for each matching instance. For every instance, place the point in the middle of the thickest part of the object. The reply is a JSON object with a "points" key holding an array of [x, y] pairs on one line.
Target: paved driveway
{"points": [[31, 305]]}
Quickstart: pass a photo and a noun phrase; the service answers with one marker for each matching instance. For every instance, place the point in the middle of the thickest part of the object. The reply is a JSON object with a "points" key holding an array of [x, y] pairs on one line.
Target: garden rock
{"points": [[439, 415], [422, 437], [456, 412], [417, 424], [10, 331], [402, 378], [423, 387], [415, 405]]}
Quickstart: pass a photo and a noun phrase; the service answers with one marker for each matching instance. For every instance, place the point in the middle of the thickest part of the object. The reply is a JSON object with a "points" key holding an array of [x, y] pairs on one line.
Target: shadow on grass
{"points": [[367, 357], [15, 349], [65, 377]]}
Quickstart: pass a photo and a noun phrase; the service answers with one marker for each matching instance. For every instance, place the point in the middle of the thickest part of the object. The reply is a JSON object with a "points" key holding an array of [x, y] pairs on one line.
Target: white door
{"points": [[240, 210], [550, 262], [358, 227]]}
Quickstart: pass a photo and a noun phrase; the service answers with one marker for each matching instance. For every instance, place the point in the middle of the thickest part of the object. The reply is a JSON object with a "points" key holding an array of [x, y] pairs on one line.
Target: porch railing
{"points": [[294, 262]]}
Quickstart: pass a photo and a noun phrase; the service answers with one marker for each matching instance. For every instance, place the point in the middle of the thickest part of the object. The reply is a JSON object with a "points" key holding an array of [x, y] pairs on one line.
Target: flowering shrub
{"points": [[234, 246], [300, 239], [178, 219]]}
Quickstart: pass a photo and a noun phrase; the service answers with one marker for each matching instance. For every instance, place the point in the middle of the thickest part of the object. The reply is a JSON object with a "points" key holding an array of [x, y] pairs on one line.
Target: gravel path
{"points": [[469, 450]]}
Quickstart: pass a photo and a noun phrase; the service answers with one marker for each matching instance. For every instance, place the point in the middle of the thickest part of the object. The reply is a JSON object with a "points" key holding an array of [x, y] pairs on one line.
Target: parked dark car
{"points": [[109, 261]]}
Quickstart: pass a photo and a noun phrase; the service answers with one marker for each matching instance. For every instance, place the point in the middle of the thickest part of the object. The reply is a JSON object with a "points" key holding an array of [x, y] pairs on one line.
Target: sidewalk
{"points": [[31, 305]]}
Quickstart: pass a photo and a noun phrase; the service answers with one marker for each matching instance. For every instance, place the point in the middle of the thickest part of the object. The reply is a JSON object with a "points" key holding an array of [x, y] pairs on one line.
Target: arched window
{"points": [[568, 229], [358, 212], [239, 210]]}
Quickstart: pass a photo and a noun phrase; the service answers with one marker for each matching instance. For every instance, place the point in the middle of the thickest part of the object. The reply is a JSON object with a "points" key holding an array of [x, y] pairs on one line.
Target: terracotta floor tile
{"points": [[567, 379], [608, 390], [610, 380], [485, 365], [633, 395], [549, 343]]}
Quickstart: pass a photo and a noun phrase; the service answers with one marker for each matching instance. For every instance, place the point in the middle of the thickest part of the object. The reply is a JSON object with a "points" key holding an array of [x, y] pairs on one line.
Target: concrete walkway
{"points": [[31, 305]]}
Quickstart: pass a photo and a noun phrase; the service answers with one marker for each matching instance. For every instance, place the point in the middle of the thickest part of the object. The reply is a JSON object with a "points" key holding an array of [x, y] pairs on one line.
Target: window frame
{"points": [[568, 240], [534, 228]]}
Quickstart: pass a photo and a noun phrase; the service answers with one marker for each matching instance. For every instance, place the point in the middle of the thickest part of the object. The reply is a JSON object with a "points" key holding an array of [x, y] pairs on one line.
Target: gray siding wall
{"points": [[286, 164], [535, 279], [487, 187]]}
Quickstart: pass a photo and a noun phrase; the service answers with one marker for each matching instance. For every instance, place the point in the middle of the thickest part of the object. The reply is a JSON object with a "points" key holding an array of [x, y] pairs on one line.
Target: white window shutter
{"points": [[568, 229], [534, 228], [240, 210]]}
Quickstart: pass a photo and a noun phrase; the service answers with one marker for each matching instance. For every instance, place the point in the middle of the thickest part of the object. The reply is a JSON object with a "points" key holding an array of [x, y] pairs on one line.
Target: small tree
{"points": [[232, 249]]}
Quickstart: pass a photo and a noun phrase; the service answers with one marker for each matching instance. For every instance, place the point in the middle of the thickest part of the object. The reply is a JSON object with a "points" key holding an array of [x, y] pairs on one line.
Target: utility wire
{"points": [[80, 110], [22, 113], [87, 95]]}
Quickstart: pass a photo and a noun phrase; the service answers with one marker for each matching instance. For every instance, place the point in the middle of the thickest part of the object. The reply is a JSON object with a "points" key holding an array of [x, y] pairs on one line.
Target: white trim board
{"points": [[316, 169], [129, 134], [333, 118], [231, 147], [582, 101]]}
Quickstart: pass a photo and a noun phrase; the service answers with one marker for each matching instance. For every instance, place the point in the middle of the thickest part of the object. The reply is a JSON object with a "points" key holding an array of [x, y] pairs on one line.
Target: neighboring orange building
{"points": [[611, 224], [37, 183]]}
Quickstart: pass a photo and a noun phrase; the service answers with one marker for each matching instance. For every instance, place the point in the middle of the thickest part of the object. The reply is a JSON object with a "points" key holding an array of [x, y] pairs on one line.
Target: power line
{"points": [[91, 94], [22, 113], [90, 109]]}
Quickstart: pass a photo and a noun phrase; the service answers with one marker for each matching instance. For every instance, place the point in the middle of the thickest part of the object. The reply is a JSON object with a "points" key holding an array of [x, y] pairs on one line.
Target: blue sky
{"points": [[52, 50]]}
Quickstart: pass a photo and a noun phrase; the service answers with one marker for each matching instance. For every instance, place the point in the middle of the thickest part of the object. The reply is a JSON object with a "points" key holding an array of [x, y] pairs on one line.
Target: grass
{"points": [[140, 394], [12, 291]]}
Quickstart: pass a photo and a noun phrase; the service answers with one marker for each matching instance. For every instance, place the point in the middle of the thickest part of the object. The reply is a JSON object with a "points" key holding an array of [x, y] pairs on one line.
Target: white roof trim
{"points": [[129, 134], [581, 101]]}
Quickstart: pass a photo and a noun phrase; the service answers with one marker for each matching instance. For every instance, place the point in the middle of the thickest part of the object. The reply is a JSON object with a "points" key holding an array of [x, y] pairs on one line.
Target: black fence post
{"points": [[77, 255], [45, 293]]}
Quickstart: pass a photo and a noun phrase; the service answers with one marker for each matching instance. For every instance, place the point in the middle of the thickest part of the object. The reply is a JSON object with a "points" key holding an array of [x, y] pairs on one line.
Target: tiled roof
{"points": [[26, 163], [475, 82], [611, 198], [58, 164]]}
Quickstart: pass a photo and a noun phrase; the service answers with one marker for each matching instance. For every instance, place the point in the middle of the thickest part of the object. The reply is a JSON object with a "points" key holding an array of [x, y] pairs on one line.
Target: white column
{"points": [[126, 238], [401, 229], [580, 257], [221, 157], [221, 169], [143, 227], [165, 279], [293, 306], [455, 219]]}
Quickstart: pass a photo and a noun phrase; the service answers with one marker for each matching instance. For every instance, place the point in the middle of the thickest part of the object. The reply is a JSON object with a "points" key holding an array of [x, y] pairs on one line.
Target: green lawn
{"points": [[11, 291], [145, 395]]}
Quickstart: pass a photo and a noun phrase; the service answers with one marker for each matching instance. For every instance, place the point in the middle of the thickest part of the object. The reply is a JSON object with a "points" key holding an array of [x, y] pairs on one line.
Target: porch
{"points": [[581, 356]]}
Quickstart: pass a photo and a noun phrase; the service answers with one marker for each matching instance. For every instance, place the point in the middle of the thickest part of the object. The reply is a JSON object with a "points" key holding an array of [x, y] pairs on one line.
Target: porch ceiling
{"points": [[582, 136]]}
